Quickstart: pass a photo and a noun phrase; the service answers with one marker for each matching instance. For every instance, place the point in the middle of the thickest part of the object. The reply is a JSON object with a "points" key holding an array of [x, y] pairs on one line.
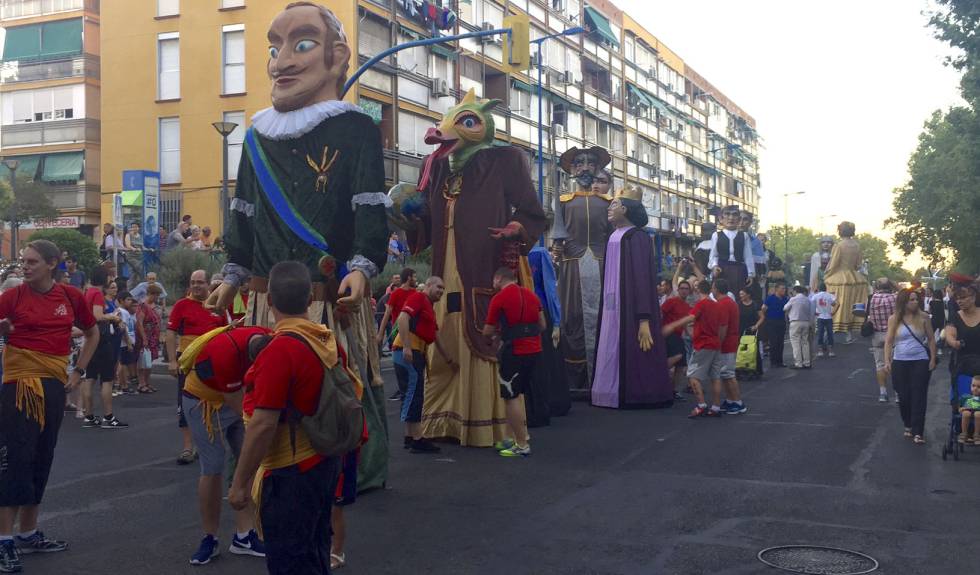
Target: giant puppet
{"points": [[311, 188], [631, 359], [818, 263], [582, 250], [731, 252], [844, 279], [477, 208]]}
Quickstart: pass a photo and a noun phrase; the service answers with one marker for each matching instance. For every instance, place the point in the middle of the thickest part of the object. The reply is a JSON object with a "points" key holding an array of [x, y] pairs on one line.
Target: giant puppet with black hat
{"points": [[580, 233], [631, 360]]}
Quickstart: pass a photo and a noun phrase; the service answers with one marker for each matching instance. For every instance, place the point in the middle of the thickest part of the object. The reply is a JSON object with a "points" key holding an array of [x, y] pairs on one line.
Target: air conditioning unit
{"points": [[670, 87], [559, 131], [652, 72], [565, 77], [438, 88], [486, 27], [670, 174], [535, 60]]}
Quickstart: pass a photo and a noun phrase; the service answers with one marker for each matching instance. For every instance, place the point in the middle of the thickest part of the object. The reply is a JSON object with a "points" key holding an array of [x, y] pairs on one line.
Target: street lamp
{"points": [[12, 166], [540, 162], [820, 220], [225, 129], [786, 223]]}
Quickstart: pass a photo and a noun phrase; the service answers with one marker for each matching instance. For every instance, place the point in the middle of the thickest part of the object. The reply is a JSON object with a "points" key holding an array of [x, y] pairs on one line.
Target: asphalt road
{"points": [[816, 460]]}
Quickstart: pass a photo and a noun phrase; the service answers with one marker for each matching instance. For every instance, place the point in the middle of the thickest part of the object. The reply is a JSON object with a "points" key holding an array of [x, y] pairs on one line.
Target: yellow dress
{"points": [[847, 283]]}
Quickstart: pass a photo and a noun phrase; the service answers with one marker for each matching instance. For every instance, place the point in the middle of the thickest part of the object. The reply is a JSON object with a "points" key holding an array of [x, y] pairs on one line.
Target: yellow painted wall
{"points": [[668, 56], [130, 111]]}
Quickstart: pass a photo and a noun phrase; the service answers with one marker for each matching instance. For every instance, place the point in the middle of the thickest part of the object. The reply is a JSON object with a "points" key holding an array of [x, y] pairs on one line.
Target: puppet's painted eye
{"points": [[470, 122], [273, 52], [305, 46]]}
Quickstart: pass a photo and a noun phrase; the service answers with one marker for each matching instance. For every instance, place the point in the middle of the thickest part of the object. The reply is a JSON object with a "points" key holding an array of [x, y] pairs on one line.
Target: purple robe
{"points": [[625, 376]]}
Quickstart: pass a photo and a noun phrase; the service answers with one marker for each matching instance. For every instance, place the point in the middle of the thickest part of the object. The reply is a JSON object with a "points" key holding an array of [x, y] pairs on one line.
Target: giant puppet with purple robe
{"points": [[631, 359]]}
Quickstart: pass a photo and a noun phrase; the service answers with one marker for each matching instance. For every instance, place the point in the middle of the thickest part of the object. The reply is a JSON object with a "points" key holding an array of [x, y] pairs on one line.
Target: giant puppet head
{"points": [[466, 128], [308, 56], [826, 244], [583, 164], [730, 216]]}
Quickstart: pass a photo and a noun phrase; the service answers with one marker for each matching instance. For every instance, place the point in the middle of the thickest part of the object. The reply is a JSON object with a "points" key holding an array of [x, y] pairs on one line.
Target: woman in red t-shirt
{"points": [[37, 318]]}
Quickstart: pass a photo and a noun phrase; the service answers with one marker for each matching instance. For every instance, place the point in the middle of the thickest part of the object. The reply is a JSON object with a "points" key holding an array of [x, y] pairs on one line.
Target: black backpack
{"points": [[336, 426]]}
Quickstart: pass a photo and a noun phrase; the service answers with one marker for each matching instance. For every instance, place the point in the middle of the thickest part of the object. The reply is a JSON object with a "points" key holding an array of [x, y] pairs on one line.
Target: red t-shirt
{"points": [[94, 297], [419, 308], [518, 305], [729, 309], [222, 363], [708, 319], [673, 309], [42, 322], [188, 317]]}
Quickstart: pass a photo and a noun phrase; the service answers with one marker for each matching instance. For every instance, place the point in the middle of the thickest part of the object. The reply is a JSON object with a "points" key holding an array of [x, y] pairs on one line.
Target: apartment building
{"points": [[173, 67], [50, 103]]}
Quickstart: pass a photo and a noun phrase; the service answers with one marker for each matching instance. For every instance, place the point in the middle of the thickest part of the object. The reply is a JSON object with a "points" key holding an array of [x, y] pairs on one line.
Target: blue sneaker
{"points": [[735, 408], [9, 557], [249, 545], [38, 543], [206, 552], [725, 404]]}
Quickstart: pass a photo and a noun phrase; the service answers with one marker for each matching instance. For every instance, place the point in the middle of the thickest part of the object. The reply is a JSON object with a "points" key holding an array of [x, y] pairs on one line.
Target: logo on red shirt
{"points": [[61, 310]]}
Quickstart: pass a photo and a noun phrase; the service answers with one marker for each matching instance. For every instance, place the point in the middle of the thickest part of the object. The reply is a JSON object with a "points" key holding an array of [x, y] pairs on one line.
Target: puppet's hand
{"points": [[221, 298], [558, 250], [512, 231], [556, 336], [646, 340]]}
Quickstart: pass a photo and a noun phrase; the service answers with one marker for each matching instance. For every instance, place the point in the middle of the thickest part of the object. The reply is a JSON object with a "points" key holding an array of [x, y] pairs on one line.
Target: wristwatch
{"points": [[80, 371]]}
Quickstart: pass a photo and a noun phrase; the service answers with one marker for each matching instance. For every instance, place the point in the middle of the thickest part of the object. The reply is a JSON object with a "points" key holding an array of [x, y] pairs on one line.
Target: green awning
{"points": [[638, 94], [443, 51], [63, 167], [712, 171], [132, 198], [27, 166], [694, 122], [61, 38], [22, 43], [522, 85], [600, 25]]}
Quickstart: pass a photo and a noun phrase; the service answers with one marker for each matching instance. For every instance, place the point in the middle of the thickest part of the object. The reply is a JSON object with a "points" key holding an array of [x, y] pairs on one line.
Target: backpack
{"points": [[336, 426]]}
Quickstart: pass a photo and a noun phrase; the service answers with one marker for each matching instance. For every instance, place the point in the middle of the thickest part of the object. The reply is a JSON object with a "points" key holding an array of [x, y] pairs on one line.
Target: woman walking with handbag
{"points": [[910, 356]]}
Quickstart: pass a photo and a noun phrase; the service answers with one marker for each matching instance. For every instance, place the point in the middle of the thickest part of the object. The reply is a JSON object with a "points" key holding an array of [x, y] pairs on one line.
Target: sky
{"points": [[839, 91]]}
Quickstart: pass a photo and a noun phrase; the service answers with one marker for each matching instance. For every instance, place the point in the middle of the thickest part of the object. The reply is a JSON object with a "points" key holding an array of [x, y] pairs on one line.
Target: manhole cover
{"points": [[817, 560]]}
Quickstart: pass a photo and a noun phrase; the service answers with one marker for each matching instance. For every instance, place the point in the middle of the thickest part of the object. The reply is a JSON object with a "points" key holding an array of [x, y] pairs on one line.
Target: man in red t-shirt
{"points": [[416, 330], [188, 319], [297, 483], [710, 328], [396, 298], [517, 311], [729, 348], [674, 308], [102, 368]]}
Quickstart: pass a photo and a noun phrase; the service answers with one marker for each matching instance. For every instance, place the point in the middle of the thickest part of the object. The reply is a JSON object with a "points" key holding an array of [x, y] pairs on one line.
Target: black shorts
{"points": [[675, 347], [102, 366], [515, 373], [127, 357], [27, 450]]}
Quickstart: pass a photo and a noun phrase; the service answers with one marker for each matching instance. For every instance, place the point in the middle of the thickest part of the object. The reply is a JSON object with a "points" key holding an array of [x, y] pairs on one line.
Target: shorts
{"points": [[145, 359], [127, 356], [878, 349], [415, 390], [27, 450], [725, 365], [102, 366], [703, 365], [346, 492], [181, 420], [227, 426], [515, 373], [675, 347]]}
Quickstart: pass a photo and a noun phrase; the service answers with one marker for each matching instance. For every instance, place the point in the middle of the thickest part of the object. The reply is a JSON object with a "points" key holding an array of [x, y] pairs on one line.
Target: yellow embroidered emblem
{"points": [[323, 168]]}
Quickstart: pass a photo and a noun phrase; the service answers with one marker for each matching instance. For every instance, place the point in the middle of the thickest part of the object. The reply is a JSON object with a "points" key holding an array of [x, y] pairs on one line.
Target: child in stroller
{"points": [[969, 404]]}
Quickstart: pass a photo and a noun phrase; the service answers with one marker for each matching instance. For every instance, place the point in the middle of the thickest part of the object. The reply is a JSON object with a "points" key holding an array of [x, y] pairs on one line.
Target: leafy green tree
{"points": [[31, 201], [957, 22], [78, 245], [875, 252], [177, 265], [803, 242]]}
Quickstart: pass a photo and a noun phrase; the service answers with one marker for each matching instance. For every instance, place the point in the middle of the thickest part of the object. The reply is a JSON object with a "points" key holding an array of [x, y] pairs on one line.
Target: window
{"points": [[42, 105], [169, 144], [168, 66], [415, 60], [411, 132], [373, 37], [235, 139], [168, 7], [233, 59], [520, 103], [54, 40], [232, 3], [21, 8], [477, 12]]}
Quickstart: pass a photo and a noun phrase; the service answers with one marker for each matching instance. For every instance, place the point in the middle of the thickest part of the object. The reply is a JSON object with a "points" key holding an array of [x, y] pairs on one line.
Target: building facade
{"points": [[50, 103], [173, 67]]}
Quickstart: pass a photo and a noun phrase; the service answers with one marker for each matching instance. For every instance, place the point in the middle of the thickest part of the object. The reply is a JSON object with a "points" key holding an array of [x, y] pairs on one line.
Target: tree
{"points": [[803, 242], [957, 22], [78, 245], [875, 252], [31, 201]]}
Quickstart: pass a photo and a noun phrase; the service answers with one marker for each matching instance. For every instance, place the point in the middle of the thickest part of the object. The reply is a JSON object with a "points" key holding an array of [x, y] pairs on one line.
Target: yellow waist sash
{"points": [[27, 368]]}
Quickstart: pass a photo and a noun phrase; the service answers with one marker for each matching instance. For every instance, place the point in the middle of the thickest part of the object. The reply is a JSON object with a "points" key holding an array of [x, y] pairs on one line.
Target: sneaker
{"points": [[38, 543], [113, 423], [698, 411], [424, 446], [712, 413], [397, 396], [725, 403], [408, 441], [250, 545], [896, 398], [91, 421], [502, 445], [831, 354], [206, 552], [883, 398], [819, 354], [132, 391], [186, 457], [516, 451], [735, 408], [9, 558], [679, 397]]}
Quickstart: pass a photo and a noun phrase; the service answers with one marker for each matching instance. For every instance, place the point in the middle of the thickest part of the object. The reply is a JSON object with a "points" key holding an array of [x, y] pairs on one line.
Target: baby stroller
{"points": [[748, 358], [952, 446]]}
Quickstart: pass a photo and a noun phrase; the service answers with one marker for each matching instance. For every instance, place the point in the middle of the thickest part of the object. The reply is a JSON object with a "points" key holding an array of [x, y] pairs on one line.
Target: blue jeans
{"points": [[414, 388], [825, 332]]}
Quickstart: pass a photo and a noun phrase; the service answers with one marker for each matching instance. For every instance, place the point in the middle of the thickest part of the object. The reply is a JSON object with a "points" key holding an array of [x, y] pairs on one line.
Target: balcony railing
{"points": [[27, 8], [74, 196], [53, 132], [85, 65]]}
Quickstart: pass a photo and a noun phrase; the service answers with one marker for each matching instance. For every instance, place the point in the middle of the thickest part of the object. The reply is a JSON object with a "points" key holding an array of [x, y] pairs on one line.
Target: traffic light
{"points": [[517, 48]]}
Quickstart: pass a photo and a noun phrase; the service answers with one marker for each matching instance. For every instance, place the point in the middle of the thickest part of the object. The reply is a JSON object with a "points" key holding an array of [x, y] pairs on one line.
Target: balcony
{"points": [[74, 196], [54, 132], [10, 9], [86, 66]]}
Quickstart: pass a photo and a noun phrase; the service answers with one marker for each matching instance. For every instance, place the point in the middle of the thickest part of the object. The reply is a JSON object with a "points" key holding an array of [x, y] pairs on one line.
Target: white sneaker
{"points": [[831, 354], [819, 354], [883, 398]]}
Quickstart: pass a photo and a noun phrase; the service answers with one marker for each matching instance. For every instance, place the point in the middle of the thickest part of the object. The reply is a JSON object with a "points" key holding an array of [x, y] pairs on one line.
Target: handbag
{"points": [[868, 328], [916, 338]]}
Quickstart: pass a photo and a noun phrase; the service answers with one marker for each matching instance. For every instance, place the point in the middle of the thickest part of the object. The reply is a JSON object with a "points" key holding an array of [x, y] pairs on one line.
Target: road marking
{"points": [[857, 371], [860, 469], [789, 375]]}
